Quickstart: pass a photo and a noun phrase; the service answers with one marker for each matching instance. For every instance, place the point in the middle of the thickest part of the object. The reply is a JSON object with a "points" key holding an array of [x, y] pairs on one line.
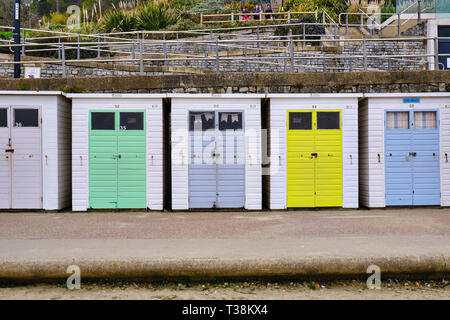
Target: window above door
{"points": [[397, 120], [3, 117], [131, 121], [425, 120], [300, 120], [328, 120], [103, 121], [201, 121], [26, 118]]}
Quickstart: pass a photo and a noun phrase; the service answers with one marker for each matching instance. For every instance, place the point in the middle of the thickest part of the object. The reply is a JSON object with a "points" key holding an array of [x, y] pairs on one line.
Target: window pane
{"points": [[230, 120], [397, 120], [425, 120], [3, 118], [300, 120], [201, 121], [102, 121], [26, 118], [328, 120], [131, 121]]}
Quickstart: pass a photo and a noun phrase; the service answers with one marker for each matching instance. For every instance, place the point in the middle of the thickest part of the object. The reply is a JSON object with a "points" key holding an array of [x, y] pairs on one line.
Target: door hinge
{"points": [[42, 200], [41, 120]]}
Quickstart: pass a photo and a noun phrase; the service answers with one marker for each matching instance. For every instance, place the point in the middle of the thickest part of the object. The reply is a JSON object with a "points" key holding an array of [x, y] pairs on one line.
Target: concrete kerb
{"points": [[308, 268]]}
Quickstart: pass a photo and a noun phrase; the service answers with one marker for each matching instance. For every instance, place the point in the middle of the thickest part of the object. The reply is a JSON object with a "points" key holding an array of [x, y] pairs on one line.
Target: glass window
{"points": [[3, 118], [102, 121], [26, 118], [328, 120], [300, 120], [131, 121], [397, 120], [425, 120], [230, 120], [201, 121]]}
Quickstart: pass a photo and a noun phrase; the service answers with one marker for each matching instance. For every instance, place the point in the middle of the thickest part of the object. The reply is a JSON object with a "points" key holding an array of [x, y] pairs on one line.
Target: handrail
{"points": [[273, 51], [262, 16]]}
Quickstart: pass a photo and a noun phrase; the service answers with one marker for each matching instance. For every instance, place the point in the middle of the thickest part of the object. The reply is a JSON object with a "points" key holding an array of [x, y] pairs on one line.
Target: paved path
{"points": [[208, 244]]}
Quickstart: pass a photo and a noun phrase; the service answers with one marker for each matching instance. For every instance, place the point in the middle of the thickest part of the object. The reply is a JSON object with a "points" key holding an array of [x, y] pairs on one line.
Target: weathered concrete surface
{"points": [[405, 81], [301, 244]]}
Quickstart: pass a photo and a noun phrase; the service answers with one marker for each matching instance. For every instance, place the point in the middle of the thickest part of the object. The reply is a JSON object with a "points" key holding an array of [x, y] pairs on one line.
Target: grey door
{"points": [[216, 167]]}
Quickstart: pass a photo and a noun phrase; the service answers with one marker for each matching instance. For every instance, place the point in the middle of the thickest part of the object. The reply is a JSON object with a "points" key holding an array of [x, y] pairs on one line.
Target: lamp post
{"points": [[16, 36]]}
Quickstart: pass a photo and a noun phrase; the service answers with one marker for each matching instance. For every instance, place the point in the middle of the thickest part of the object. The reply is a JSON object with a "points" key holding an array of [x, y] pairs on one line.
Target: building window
{"points": [[3, 118], [230, 120], [201, 121], [300, 120], [131, 121], [397, 120], [103, 121], [328, 120], [26, 118], [425, 120]]}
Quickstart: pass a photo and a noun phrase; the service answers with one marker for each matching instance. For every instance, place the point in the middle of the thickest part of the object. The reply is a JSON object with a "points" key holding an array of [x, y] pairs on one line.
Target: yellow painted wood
{"points": [[314, 181]]}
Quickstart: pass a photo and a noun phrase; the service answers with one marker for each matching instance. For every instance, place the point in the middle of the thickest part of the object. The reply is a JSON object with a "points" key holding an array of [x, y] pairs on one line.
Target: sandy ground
{"points": [[349, 290]]}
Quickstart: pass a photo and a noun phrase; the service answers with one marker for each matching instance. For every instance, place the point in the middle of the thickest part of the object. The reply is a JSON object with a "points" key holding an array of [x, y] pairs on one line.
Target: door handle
{"points": [[9, 150], [413, 154], [119, 156], [314, 154], [446, 158]]}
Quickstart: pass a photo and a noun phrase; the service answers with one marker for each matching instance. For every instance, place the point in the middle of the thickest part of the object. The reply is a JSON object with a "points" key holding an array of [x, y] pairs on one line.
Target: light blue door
{"points": [[230, 157], [216, 167], [412, 165], [426, 168]]}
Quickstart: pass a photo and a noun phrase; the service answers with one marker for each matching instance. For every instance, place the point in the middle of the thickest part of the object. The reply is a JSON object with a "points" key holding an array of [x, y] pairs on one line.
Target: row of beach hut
{"points": [[203, 151]]}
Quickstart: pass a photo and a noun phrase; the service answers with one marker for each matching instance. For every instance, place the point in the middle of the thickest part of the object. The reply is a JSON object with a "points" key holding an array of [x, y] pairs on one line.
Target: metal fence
{"points": [[291, 53]]}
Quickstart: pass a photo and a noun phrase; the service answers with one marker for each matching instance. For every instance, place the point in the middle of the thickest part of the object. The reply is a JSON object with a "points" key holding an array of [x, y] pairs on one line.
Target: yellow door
{"points": [[314, 158]]}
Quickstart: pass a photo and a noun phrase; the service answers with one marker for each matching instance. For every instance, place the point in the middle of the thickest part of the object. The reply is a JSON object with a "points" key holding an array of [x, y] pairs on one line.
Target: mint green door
{"points": [[117, 161]]}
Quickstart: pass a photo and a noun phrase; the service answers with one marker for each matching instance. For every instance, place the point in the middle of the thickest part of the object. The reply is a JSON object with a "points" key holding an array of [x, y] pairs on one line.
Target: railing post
{"points": [[201, 18], [165, 50], [141, 57], [133, 52], [291, 46], [399, 26], [206, 55], [365, 54], [372, 29], [362, 20], [63, 62], [257, 35], [59, 47], [304, 32], [323, 17], [217, 56], [98, 47], [419, 10], [389, 64], [436, 53], [346, 24], [289, 17], [78, 47], [23, 42], [316, 15], [232, 17], [351, 64], [245, 57]]}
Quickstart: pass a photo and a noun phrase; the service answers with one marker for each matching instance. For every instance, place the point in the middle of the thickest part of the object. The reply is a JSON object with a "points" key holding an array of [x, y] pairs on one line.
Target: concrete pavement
{"points": [[295, 244]]}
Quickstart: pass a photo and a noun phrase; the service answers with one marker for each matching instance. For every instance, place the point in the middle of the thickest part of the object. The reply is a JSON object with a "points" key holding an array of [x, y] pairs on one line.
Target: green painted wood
{"points": [[117, 165]]}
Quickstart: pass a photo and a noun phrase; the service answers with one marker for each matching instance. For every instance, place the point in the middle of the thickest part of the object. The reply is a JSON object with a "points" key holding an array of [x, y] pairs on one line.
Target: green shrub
{"points": [[157, 15], [117, 20]]}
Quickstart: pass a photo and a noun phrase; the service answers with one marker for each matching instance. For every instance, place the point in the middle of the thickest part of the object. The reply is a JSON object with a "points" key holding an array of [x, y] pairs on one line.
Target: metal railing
{"points": [[290, 53], [260, 16], [377, 21]]}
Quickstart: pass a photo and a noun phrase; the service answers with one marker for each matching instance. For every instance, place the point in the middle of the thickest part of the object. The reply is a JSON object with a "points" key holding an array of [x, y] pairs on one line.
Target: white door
{"points": [[5, 159], [26, 158]]}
